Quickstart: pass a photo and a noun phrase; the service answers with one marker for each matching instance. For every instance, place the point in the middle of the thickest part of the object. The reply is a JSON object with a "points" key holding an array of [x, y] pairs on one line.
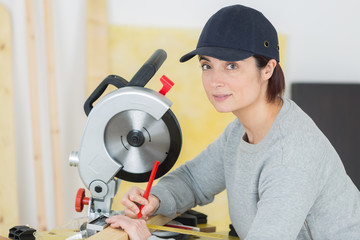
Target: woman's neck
{"points": [[258, 119]]}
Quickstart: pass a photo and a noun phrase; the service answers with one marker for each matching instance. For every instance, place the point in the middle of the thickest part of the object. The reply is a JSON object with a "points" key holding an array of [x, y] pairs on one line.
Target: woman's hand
{"points": [[135, 228], [134, 198]]}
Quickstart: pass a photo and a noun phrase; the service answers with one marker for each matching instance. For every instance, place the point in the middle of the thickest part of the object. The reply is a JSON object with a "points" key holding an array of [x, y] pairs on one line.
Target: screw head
{"points": [[98, 189]]}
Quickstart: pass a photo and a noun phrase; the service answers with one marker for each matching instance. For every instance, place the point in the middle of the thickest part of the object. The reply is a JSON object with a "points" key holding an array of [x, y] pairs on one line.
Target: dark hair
{"points": [[276, 83]]}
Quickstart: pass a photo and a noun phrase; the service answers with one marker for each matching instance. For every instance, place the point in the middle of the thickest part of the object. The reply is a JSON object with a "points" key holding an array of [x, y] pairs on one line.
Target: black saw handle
{"points": [[114, 80], [140, 79], [148, 70]]}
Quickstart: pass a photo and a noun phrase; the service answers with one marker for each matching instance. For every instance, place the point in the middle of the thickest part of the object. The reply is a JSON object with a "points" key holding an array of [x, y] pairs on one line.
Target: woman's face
{"points": [[233, 86]]}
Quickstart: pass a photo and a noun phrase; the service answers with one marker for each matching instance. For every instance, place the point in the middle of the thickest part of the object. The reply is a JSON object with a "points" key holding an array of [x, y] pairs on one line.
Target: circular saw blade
{"points": [[136, 140]]}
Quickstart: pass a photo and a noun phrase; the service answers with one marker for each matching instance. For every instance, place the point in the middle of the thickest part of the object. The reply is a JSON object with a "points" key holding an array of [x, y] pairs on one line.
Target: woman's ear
{"points": [[268, 70]]}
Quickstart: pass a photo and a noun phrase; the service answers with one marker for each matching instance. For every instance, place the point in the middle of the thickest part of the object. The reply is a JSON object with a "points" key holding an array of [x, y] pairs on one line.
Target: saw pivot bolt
{"points": [[81, 200], [98, 189]]}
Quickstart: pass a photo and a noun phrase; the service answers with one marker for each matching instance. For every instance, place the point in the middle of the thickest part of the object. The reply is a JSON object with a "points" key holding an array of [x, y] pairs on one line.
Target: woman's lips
{"points": [[221, 97]]}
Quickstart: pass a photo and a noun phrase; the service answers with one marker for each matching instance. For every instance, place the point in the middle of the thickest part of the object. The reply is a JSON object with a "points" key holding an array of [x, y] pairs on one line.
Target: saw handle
{"points": [[115, 80], [140, 79], [148, 70]]}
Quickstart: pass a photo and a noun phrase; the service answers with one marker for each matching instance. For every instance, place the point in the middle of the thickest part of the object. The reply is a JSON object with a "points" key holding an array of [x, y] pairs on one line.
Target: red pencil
{"points": [[147, 191]]}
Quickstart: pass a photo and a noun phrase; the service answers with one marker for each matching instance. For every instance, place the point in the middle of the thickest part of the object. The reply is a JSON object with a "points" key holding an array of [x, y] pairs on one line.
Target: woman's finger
{"points": [[136, 228], [131, 208], [150, 208], [132, 200]]}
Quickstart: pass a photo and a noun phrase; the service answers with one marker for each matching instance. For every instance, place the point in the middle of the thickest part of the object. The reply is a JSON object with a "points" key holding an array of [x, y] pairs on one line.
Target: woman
{"points": [[284, 180]]}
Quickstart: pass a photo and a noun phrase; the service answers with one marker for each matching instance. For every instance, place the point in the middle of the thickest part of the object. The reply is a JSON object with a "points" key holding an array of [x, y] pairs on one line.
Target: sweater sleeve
{"points": [[194, 183], [286, 195]]}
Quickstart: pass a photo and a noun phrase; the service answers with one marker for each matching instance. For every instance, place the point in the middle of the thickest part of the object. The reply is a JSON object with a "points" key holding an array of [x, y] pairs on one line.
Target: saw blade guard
{"points": [[128, 130]]}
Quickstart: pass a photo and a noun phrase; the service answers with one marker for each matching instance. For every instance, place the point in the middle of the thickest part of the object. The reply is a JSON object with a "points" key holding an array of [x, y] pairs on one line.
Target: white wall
{"points": [[322, 45]]}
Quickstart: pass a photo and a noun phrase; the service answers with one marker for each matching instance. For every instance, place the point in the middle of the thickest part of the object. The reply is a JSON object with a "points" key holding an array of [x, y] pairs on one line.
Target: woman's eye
{"points": [[231, 66], [205, 66]]}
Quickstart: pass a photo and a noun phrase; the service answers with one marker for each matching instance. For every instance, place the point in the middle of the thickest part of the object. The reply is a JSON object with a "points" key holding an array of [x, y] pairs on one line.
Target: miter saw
{"points": [[127, 130]]}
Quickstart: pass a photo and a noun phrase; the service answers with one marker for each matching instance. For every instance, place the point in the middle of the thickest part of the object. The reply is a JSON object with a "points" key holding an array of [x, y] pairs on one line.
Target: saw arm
{"points": [[127, 130]]}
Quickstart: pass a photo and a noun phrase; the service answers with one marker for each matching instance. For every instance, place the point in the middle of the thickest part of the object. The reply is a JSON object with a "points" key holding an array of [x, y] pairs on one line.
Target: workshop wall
{"points": [[69, 28], [8, 192], [321, 45]]}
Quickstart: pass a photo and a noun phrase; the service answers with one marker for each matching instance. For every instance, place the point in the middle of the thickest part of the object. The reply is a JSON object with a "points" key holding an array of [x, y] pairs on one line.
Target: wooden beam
{"points": [[54, 118], [118, 234], [9, 208], [35, 114]]}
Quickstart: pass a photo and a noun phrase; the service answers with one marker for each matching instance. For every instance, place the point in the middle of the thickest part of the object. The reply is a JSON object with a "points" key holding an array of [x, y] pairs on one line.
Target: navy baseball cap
{"points": [[235, 33]]}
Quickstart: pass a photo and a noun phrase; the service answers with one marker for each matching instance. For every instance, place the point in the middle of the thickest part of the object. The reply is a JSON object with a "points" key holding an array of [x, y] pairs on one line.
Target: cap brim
{"points": [[225, 54]]}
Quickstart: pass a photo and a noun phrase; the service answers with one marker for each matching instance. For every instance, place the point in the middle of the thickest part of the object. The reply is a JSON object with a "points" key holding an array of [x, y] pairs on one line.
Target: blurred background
{"points": [[55, 53]]}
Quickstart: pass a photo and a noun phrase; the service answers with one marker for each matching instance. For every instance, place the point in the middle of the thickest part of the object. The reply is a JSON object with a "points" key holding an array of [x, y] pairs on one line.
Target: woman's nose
{"points": [[217, 79]]}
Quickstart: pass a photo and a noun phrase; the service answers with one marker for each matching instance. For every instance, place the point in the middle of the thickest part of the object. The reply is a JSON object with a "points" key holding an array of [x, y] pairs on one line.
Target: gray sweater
{"points": [[292, 179]]}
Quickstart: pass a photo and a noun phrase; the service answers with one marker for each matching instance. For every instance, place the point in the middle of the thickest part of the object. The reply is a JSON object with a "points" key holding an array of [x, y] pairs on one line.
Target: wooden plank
{"points": [[9, 209], [54, 118], [118, 234], [97, 43], [186, 232], [35, 115]]}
